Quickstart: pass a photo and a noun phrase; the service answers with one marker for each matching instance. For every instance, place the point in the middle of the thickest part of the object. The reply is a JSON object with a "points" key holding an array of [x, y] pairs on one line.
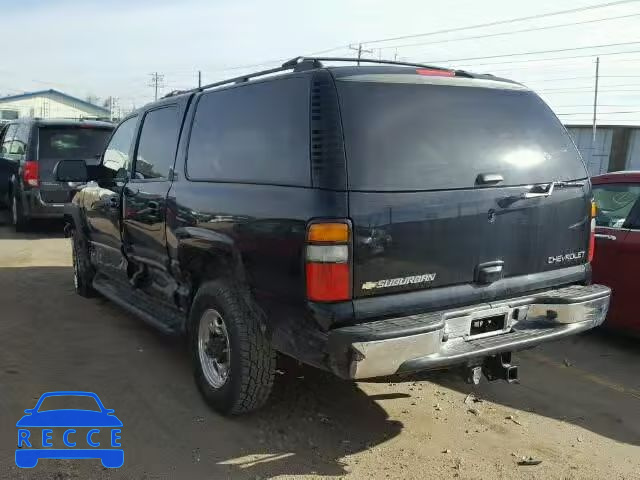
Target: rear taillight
{"points": [[328, 267], [30, 173], [592, 232]]}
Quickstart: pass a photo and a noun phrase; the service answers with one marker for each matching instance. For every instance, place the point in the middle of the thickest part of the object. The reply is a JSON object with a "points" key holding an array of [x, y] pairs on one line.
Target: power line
{"points": [[599, 113], [538, 52], [579, 78], [600, 105], [587, 91], [588, 88], [501, 22], [589, 55], [532, 29]]}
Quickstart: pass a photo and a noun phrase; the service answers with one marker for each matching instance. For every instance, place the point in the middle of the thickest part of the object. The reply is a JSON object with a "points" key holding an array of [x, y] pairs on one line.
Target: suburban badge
{"points": [[396, 282]]}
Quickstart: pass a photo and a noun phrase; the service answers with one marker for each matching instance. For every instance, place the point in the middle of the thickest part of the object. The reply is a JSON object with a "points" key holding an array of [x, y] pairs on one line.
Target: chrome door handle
{"points": [[605, 236]]}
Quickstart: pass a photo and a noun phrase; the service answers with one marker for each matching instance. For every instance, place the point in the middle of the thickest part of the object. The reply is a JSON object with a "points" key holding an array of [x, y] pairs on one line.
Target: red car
{"points": [[617, 253]]}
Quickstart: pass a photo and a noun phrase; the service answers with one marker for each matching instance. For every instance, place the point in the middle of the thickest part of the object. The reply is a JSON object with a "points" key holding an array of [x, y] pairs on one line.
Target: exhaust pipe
{"points": [[498, 367]]}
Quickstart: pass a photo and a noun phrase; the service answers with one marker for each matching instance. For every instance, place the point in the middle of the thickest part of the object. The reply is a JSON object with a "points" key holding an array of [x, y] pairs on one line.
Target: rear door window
{"points": [[412, 136], [256, 133], [20, 143], [72, 143], [615, 203], [157, 145]]}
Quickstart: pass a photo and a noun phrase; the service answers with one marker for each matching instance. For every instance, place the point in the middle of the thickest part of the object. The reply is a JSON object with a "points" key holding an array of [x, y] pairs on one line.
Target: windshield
{"points": [[66, 402], [72, 143], [404, 136]]}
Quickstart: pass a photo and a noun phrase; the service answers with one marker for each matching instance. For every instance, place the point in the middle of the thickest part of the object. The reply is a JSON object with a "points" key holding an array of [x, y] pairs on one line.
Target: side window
{"points": [[615, 202], [7, 140], [157, 145], [117, 153], [3, 131], [20, 142], [253, 133]]}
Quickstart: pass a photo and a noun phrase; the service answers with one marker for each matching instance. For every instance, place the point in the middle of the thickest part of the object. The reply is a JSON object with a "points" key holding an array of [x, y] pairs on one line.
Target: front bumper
{"points": [[443, 339]]}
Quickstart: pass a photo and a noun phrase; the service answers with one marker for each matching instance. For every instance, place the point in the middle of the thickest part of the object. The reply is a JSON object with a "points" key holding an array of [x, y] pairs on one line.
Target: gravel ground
{"points": [[577, 408]]}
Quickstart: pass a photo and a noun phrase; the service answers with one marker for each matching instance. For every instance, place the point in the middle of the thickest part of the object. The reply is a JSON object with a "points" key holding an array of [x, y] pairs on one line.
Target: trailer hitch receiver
{"points": [[498, 367]]}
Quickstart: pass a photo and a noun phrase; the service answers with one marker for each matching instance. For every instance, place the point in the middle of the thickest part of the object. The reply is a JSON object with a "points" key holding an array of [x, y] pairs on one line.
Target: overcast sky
{"points": [[110, 48]]}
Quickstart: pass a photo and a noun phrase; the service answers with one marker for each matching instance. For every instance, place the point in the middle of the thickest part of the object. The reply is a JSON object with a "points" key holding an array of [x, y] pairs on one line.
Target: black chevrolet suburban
{"points": [[29, 149], [367, 220]]}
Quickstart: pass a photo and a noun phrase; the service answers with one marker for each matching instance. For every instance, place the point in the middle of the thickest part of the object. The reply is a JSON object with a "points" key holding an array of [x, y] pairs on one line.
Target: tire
{"points": [[83, 272], [18, 219], [250, 360]]}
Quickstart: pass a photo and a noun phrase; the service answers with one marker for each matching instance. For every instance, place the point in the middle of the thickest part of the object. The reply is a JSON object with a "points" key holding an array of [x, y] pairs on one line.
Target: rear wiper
{"points": [[538, 191]]}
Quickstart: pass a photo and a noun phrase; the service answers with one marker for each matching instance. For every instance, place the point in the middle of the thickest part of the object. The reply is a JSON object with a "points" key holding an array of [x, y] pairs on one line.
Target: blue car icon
{"points": [[87, 433]]}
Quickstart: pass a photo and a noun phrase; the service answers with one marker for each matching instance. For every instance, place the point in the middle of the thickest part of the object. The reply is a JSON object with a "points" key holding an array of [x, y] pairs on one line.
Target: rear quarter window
{"points": [[255, 133]]}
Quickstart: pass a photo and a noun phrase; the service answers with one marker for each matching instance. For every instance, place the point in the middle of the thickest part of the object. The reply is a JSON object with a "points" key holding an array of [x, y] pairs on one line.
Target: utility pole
{"points": [[360, 50], [199, 78], [156, 81], [595, 101], [113, 108]]}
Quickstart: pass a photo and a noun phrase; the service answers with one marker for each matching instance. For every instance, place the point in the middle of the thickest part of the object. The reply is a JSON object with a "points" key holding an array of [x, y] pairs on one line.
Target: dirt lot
{"points": [[577, 407]]}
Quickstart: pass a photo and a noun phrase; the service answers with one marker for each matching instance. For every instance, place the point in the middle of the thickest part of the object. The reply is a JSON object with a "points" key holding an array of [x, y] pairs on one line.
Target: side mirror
{"points": [[28, 411], [71, 171]]}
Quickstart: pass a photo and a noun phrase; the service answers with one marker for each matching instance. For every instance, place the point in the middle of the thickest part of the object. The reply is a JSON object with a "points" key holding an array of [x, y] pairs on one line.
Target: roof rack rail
{"points": [[307, 63], [366, 60]]}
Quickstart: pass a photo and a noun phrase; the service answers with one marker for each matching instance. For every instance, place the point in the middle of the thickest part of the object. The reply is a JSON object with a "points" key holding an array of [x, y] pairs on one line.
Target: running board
{"points": [[138, 304]]}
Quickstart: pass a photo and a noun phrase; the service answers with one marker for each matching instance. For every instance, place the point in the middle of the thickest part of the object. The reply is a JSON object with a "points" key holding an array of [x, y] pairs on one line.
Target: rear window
{"points": [[407, 136], [256, 133], [72, 143]]}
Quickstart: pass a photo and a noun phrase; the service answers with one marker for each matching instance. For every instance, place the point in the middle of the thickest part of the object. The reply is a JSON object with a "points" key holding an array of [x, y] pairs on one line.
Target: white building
{"points": [[48, 104], [615, 147]]}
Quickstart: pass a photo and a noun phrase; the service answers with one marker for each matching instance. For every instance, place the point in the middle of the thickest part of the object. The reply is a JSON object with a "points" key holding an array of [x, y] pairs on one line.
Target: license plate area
{"points": [[484, 325], [488, 322]]}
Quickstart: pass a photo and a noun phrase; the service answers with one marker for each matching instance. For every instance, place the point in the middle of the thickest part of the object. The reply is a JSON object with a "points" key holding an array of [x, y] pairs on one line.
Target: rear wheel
{"points": [[18, 218], [82, 270], [233, 361]]}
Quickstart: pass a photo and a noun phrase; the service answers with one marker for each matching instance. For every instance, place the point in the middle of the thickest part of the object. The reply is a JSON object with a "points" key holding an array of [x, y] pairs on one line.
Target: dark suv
{"points": [[367, 220], [29, 149]]}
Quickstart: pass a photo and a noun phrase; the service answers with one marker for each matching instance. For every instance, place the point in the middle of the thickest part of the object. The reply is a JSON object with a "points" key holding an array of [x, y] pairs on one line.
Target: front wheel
{"points": [[233, 361], [82, 270]]}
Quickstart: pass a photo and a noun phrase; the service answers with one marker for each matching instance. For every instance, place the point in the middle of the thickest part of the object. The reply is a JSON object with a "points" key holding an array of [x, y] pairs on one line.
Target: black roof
{"points": [[300, 64]]}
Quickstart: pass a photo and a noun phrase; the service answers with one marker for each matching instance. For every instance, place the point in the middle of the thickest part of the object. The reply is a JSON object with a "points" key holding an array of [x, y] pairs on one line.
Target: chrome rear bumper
{"points": [[446, 338]]}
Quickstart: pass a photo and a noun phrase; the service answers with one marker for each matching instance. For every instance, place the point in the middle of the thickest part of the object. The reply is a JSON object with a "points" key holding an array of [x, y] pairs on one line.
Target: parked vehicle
{"points": [[29, 149], [367, 220], [618, 244]]}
